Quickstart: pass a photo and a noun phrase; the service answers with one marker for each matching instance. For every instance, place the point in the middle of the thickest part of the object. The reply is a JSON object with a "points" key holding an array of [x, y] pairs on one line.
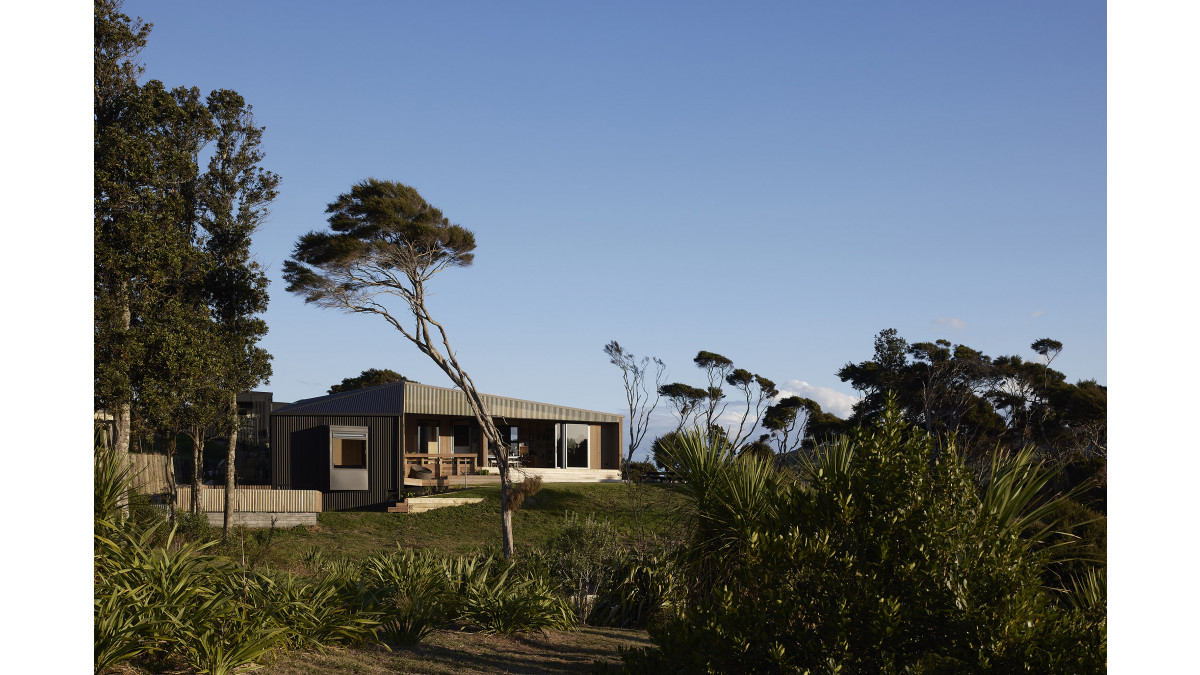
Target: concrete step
{"points": [[423, 504]]}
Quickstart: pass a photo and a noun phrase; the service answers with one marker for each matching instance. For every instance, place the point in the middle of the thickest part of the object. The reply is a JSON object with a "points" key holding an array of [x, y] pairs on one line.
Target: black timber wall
{"points": [[300, 457]]}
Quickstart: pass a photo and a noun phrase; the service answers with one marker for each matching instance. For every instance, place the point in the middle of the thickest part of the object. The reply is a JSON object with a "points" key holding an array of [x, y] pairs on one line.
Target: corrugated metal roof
{"points": [[430, 400], [411, 397], [385, 399]]}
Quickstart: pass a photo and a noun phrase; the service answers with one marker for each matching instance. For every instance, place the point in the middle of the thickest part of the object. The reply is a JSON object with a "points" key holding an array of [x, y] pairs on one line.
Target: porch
{"points": [[455, 473]]}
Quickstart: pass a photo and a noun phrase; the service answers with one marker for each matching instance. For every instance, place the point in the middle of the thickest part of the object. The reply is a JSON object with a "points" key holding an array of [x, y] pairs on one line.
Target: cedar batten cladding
{"points": [[417, 433], [300, 460]]}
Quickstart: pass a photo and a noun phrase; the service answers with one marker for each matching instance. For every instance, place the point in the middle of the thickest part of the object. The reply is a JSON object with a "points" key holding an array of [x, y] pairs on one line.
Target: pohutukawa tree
{"points": [[386, 243]]}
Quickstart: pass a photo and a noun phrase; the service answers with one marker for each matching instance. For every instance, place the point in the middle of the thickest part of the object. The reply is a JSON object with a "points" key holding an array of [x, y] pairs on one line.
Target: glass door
{"points": [[573, 446]]}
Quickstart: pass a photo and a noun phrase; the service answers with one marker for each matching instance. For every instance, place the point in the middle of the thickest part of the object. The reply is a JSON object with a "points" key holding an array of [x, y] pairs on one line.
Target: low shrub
{"points": [[637, 591], [523, 490], [636, 471]]}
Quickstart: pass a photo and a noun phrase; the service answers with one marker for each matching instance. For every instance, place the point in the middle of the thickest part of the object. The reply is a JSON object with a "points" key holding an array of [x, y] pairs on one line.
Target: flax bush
{"points": [[884, 556]]}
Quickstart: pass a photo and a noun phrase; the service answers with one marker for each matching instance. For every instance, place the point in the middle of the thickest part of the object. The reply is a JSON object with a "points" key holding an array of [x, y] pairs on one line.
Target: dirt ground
{"points": [[464, 653]]}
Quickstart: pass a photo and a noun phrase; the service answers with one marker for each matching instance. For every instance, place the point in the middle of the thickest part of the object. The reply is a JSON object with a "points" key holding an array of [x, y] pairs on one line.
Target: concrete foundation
{"points": [[262, 519]]}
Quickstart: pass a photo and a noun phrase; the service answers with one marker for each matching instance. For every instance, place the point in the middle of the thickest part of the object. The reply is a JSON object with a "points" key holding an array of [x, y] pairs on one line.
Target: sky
{"points": [[776, 182], [774, 185]]}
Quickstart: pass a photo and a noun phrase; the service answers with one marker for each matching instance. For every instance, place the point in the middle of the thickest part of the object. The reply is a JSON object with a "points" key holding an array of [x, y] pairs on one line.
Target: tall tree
{"points": [[371, 377], [637, 391], [146, 141], [383, 240], [716, 368], [236, 192], [758, 392]]}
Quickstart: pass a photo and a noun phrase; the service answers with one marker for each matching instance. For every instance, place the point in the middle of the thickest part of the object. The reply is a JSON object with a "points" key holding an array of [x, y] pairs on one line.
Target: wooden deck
{"points": [[519, 473]]}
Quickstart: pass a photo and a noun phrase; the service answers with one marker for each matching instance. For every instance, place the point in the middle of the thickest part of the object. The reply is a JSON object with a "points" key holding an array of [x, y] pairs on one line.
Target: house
{"points": [[361, 448]]}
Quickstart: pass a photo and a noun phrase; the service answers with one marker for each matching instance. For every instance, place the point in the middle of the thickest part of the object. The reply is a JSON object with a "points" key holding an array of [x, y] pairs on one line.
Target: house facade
{"points": [[361, 448]]}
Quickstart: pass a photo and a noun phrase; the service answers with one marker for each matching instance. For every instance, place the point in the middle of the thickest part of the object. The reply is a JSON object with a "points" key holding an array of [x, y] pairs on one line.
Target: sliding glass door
{"points": [[573, 452]]}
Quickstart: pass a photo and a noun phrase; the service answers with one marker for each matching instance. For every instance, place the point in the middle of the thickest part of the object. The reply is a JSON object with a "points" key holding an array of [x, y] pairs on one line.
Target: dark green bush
{"points": [[636, 471], [885, 557]]}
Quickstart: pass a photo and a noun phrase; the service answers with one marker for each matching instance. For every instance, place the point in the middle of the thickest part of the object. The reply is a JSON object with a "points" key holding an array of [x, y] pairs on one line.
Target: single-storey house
{"points": [[360, 448]]}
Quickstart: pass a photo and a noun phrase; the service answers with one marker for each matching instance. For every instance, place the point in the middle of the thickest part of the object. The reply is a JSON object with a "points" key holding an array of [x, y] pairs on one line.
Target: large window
{"points": [[573, 452], [348, 458], [466, 438]]}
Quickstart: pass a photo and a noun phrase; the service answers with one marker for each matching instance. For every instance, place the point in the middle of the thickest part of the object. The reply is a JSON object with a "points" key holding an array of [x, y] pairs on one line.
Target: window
{"points": [[348, 458], [349, 453], [466, 438], [428, 437]]}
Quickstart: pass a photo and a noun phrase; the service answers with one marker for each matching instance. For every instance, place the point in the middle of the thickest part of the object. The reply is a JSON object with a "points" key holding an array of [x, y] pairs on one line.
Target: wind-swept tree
{"points": [[716, 368], [684, 399], [758, 392], [386, 242], [637, 391]]}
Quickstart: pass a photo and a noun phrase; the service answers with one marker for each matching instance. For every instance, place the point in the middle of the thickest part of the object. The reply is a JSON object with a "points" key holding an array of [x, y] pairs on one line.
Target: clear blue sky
{"points": [[775, 182]]}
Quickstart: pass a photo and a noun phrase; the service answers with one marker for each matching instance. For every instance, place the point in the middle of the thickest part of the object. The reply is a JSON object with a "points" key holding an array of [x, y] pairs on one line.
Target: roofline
{"points": [[519, 400], [340, 394]]}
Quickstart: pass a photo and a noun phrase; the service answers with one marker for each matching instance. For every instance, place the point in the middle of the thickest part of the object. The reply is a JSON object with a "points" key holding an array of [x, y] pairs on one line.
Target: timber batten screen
{"points": [[424, 399]]}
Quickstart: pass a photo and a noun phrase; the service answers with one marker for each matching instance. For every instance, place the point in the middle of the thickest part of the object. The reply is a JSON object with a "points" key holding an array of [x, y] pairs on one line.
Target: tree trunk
{"points": [[230, 471], [171, 446], [506, 531], [197, 465]]}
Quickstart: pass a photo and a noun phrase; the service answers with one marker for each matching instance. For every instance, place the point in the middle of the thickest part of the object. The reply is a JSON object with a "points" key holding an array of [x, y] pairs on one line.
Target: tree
{"points": [[684, 399], [758, 392], [383, 240], [236, 193], [145, 143], [716, 368], [875, 378], [637, 393], [786, 424], [372, 377]]}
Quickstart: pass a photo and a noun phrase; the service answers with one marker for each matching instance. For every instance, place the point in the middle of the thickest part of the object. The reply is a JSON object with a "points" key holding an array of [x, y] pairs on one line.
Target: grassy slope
{"points": [[641, 513], [460, 653]]}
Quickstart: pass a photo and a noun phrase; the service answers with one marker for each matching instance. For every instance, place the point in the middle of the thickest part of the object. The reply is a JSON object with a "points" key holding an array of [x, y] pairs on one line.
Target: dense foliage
{"points": [[371, 377], [882, 554], [165, 603], [177, 296]]}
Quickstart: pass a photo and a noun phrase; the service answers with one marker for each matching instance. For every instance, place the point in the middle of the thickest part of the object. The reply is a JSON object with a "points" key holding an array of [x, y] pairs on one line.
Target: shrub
{"points": [[523, 490], [885, 556], [637, 590], [515, 606], [580, 558], [636, 471]]}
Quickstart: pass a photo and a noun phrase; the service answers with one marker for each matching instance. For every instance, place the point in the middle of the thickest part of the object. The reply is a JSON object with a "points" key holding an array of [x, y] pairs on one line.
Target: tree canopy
{"points": [[371, 377]]}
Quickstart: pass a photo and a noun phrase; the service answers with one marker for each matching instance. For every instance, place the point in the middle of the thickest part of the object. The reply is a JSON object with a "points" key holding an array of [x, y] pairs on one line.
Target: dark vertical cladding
{"points": [[300, 457]]}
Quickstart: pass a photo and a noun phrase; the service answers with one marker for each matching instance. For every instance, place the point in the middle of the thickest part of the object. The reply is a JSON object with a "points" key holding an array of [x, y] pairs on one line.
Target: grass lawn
{"points": [[641, 513]]}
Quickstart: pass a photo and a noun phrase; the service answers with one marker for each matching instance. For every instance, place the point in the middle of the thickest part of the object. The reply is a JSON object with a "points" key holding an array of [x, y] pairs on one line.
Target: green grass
{"points": [[640, 514]]}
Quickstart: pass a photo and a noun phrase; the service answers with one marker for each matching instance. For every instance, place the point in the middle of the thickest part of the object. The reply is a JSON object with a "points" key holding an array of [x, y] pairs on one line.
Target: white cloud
{"points": [[952, 322], [1036, 314], [831, 400]]}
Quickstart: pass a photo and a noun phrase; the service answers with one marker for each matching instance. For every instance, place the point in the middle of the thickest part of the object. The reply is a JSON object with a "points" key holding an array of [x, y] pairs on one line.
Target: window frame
{"points": [[342, 477]]}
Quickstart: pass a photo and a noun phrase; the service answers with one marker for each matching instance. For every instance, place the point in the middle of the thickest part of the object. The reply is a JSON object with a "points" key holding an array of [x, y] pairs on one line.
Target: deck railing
{"points": [[441, 465]]}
